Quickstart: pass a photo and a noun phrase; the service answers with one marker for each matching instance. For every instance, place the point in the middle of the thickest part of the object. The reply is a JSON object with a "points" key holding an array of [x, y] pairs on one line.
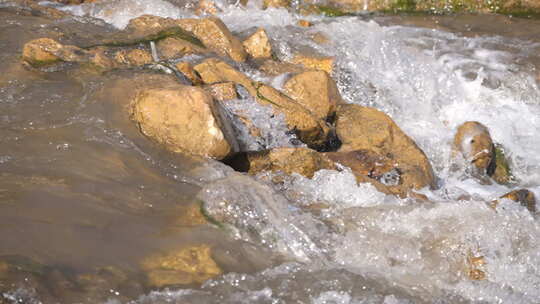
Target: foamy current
{"points": [[366, 247]]}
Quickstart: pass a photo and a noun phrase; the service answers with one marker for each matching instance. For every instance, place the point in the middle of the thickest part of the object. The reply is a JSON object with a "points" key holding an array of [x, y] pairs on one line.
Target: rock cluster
{"points": [[188, 117]]}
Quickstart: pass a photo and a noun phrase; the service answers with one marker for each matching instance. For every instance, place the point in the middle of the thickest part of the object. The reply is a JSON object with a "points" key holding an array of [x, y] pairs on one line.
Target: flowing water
{"points": [[81, 188]]}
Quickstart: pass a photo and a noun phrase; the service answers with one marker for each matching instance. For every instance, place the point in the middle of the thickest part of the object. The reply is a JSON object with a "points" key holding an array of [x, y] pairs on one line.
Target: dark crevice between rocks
{"points": [[238, 161]]}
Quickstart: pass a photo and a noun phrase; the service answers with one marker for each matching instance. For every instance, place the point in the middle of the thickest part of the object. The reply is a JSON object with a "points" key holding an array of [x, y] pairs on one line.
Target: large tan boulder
{"points": [[215, 35], [365, 128], [316, 91], [184, 119], [191, 265], [309, 129], [258, 45], [302, 161]]}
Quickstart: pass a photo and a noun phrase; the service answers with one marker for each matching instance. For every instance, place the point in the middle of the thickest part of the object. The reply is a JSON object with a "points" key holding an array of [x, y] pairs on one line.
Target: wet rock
{"points": [[319, 38], [523, 196], [144, 29], [364, 128], [44, 51], [215, 35], [105, 284], [215, 71], [190, 216], [474, 142], [133, 57], [369, 167], [502, 173], [304, 23], [275, 68], [41, 51], [308, 128], [206, 7], [258, 45], [187, 70], [183, 119], [315, 62], [303, 161], [187, 266], [222, 91], [276, 3], [316, 91], [173, 47], [475, 264]]}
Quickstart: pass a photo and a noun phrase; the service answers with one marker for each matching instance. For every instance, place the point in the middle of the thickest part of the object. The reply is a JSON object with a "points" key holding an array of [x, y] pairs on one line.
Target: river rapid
{"points": [[81, 188]]}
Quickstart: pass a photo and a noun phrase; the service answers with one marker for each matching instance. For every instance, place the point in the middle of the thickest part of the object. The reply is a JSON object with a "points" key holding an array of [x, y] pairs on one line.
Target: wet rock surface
{"points": [[364, 128], [183, 119]]}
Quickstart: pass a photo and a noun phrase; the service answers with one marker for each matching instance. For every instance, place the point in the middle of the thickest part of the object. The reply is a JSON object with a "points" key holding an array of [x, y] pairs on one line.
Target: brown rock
{"points": [[183, 119], [45, 51], [206, 7], [274, 68], [364, 128], [309, 129], [315, 62], [304, 23], [133, 57], [190, 216], [215, 35], [316, 91], [191, 265], [319, 38], [222, 91], [276, 3], [303, 161], [523, 196], [258, 45], [475, 144], [41, 52], [214, 71], [173, 47], [188, 71], [369, 167]]}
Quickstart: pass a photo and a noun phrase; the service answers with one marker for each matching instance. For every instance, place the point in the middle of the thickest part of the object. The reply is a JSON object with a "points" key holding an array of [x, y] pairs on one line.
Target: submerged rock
{"points": [[364, 128], [44, 51], [41, 52], [502, 173], [222, 91], [183, 119], [258, 45], [276, 3], [303, 161], [523, 196], [312, 131], [187, 266], [316, 91], [215, 35], [134, 57]]}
